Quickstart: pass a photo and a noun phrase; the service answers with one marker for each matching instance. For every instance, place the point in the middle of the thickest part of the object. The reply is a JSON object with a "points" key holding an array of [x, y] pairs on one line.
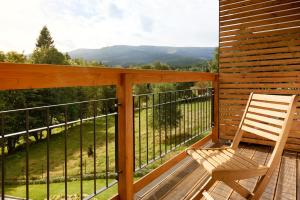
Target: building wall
{"points": [[259, 52]]}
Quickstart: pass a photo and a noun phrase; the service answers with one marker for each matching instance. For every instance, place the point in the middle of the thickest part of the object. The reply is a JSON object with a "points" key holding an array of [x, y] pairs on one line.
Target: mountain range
{"points": [[138, 55]]}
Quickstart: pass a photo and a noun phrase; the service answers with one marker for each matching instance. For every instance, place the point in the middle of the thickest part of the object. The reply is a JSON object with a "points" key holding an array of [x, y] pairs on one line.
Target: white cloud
{"points": [[97, 23]]}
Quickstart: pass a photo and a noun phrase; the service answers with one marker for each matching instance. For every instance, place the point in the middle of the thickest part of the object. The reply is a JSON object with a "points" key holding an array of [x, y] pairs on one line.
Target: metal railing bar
{"points": [[101, 190], [57, 125], [53, 106]]}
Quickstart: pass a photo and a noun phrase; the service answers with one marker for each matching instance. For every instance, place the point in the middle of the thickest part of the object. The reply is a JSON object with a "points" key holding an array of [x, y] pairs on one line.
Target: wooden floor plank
{"points": [[163, 187], [286, 185]]}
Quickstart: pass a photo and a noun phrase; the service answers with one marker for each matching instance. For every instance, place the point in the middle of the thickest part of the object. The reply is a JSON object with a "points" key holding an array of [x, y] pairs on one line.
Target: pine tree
{"points": [[45, 40]]}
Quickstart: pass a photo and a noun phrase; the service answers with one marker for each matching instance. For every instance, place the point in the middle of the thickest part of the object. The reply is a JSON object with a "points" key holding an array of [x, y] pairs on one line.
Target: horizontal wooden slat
{"points": [[262, 126], [260, 133], [261, 91], [253, 6], [269, 27], [274, 98], [269, 57], [265, 16], [295, 4], [267, 112], [271, 33], [261, 85], [250, 69], [265, 119], [252, 41], [269, 105], [277, 74], [288, 43], [256, 24]]}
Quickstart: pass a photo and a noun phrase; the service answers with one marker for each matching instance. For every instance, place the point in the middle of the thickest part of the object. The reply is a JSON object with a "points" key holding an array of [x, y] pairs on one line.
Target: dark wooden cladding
{"points": [[259, 52]]}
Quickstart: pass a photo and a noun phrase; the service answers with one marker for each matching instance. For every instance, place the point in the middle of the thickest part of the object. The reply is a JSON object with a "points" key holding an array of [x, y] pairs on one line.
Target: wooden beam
{"points": [[125, 138], [138, 185], [215, 130], [27, 76], [33, 76]]}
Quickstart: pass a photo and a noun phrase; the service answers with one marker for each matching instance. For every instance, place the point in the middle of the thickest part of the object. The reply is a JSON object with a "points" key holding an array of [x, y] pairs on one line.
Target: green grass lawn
{"points": [[15, 164], [38, 191]]}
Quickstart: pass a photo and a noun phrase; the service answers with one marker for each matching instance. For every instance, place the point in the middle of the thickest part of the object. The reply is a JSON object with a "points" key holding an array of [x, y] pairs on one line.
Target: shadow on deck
{"points": [[186, 177]]}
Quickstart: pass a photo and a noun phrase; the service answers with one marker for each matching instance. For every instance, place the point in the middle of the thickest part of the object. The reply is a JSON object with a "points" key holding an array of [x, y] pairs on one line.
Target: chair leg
{"points": [[206, 187], [260, 187]]}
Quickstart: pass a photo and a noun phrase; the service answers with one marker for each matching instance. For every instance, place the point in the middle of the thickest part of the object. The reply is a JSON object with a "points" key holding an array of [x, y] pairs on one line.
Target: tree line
{"points": [[45, 52]]}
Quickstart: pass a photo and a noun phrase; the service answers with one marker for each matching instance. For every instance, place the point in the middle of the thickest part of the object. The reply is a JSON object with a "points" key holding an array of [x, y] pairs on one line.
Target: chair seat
{"points": [[226, 163]]}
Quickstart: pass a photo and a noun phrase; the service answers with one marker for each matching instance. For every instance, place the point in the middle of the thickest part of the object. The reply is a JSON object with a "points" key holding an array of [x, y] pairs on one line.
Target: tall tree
{"points": [[45, 40], [45, 51]]}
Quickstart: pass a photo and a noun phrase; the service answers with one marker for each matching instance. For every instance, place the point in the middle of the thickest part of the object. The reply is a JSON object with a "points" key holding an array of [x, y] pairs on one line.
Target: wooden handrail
{"points": [[32, 76], [29, 76]]}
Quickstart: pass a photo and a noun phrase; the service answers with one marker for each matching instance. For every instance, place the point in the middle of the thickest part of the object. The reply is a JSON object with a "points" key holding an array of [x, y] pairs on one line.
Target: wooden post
{"points": [[215, 131], [125, 137]]}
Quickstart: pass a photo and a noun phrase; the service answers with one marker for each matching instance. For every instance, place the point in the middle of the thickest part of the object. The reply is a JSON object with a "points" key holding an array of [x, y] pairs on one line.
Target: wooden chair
{"points": [[267, 116]]}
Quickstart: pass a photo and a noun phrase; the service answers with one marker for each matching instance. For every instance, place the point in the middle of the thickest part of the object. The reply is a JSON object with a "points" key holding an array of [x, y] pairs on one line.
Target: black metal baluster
{"points": [[184, 102], [170, 119], [140, 139], [27, 152], [94, 132], [48, 154], [2, 158], [180, 106], [206, 109], [65, 152], [117, 141], [202, 107], [159, 123], [165, 111], [147, 131], [153, 126], [191, 113], [188, 116], [198, 112], [133, 121], [195, 112], [106, 144], [175, 114], [80, 141]]}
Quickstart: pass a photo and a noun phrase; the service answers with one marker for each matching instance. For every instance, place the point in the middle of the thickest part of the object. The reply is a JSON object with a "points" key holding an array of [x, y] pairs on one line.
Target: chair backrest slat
{"points": [[267, 116]]}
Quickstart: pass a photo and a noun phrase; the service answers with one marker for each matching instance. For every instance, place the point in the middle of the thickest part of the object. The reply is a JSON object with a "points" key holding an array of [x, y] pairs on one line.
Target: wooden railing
{"points": [[28, 76]]}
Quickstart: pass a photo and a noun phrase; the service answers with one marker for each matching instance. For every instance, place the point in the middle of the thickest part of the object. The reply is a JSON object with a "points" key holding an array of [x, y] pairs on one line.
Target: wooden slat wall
{"points": [[259, 52]]}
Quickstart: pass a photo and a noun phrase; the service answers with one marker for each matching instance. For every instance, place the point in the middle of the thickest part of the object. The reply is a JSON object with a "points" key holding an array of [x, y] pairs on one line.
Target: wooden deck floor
{"points": [[187, 176]]}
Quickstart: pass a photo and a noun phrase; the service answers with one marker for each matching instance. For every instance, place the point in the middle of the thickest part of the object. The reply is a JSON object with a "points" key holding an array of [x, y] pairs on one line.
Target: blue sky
{"points": [[99, 23]]}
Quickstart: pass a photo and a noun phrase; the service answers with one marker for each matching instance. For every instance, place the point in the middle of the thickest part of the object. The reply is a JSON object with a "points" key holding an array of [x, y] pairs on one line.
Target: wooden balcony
{"points": [[259, 52], [183, 180]]}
